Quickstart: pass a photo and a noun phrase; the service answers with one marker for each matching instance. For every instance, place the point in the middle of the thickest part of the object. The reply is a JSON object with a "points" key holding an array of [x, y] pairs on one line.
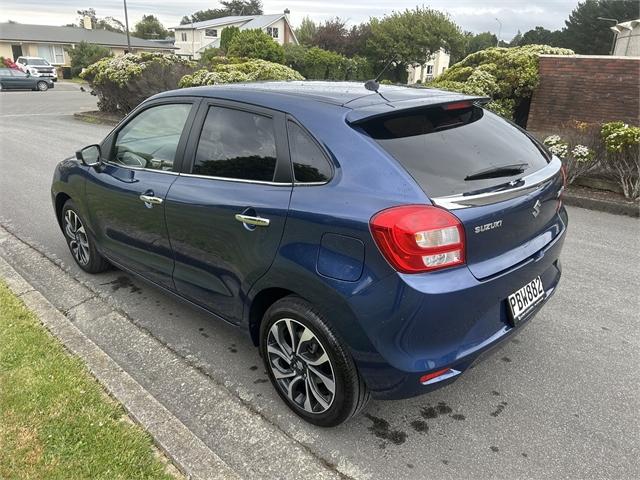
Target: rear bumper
{"points": [[445, 319]]}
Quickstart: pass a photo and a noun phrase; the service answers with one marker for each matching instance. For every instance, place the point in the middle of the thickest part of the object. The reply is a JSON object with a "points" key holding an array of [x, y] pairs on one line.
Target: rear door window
{"points": [[442, 148], [236, 144]]}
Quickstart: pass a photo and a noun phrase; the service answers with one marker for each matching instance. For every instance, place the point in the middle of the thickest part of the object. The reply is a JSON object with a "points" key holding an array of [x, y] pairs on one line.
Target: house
{"points": [[437, 64], [50, 42], [627, 43], [193, 38]]}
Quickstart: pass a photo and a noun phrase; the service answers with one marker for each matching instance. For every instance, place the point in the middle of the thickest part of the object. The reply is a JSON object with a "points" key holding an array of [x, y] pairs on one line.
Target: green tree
{"points": [[150, 27], [516, 40], [481, 41], [84, 54], [230, 7], [226, 36], [331, 35], [587, 35], [256, 44], [411, 37], [306, 31], [542, 36]]}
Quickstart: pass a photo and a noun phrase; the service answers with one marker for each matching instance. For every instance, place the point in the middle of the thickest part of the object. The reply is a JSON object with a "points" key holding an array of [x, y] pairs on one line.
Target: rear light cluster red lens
{"points": [[419, 238]]}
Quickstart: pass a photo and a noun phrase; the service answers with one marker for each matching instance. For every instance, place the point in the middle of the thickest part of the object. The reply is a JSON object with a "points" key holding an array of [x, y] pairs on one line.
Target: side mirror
{"points": [[90, 156], [28, 73]]}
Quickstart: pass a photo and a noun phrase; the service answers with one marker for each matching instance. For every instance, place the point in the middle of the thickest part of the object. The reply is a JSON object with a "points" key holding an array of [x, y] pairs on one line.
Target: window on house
{"points": [[210, 32], [53, 54], [272, 31], [183, 36], [429, 69]]}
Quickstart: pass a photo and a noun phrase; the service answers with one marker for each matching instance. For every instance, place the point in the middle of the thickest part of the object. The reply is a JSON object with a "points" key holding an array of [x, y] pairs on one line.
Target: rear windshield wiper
{"points": [[496, 172]]}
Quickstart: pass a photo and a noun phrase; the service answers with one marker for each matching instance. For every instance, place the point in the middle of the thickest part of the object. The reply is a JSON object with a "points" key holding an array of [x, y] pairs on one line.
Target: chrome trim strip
{"points": [[238, 180], [129, 167], [529, 183]]}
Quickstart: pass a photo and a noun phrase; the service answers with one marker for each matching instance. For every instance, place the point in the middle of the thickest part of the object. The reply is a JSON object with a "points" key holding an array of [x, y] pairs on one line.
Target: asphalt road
{"points": [[562, 400]]}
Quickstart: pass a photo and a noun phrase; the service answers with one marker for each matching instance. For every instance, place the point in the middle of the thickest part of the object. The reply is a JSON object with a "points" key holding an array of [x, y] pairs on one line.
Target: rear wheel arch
{"points": [[260, 304]]}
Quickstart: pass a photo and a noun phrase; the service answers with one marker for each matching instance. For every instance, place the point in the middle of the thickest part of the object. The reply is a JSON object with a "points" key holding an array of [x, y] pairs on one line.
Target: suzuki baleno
{"points": [[371, 243]]}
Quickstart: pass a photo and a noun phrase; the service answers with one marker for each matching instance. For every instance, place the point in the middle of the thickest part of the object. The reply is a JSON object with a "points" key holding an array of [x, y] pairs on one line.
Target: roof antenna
{"points": [[373, 85]]}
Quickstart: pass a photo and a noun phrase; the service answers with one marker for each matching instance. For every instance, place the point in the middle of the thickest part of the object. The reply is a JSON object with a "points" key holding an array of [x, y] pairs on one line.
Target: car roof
{"points": [[351, 95]]}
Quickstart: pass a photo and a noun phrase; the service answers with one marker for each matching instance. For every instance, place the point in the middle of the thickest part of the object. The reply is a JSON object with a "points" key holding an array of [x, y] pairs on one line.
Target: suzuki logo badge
{"points": [[536, 209]]}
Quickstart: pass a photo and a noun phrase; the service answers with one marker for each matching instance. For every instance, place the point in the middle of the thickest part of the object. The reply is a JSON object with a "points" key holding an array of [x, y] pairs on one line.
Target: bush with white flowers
{"points": [[622, 159], [557, 146]]}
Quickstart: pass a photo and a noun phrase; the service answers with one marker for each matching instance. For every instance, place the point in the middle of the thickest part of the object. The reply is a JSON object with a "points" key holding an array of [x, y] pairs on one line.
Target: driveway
{"points": [[560, 400]]}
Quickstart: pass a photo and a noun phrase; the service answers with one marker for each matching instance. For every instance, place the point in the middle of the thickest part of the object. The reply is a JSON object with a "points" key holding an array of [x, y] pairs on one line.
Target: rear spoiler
{"points": [[359, 115]]}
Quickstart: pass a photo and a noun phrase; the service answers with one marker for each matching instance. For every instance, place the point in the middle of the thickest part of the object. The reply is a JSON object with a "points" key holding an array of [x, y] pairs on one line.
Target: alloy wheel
{"points": [[42, 86], [77, 235], [300, 365]]}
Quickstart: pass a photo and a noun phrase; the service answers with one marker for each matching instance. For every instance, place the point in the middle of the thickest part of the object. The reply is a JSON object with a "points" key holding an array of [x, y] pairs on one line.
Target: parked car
{"points": [[12, 79], [371, 244], [38, 67]]}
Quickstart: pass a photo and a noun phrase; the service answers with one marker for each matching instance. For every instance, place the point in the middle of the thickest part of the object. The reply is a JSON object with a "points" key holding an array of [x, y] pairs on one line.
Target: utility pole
{"points": [[126, 24], [499, 32]]}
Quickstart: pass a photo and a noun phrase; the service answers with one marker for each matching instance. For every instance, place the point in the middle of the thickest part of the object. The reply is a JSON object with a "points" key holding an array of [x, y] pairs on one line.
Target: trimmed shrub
{"points": [[318, 64], [255, 44], [239, 70], [209, 54], [121, 83], [622, 159], [84, 54], [508, 75], [226, 36]]}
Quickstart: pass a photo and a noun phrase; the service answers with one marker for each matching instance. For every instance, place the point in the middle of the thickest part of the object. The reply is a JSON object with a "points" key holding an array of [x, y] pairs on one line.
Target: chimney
{"points": [[86, 22], [287, 11]]}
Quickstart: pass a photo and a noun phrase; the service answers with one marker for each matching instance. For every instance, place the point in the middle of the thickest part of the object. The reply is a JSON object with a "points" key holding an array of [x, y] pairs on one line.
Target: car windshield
{"points": [[37, 61]]}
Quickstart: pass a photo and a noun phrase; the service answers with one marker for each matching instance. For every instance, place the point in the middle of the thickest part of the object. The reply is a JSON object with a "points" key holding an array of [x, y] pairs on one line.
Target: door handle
{"points": [[249, 220], [151, 199]]}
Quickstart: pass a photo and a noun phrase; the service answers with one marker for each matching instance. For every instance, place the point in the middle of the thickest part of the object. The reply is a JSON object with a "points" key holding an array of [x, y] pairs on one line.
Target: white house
{"points": [[437, 64], [193, 38], [627, 38]]}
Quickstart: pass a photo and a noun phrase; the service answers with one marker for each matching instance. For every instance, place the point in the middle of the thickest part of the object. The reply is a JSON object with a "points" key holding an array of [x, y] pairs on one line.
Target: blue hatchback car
{"points": [[370, 243]]}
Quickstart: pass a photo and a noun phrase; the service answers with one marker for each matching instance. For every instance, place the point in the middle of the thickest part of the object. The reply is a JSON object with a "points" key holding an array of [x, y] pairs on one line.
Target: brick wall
{"points": [[587, 88]]}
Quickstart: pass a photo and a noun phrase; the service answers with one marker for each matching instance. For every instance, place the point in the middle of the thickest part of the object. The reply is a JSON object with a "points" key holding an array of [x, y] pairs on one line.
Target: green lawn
{"points": [[56, 421]]}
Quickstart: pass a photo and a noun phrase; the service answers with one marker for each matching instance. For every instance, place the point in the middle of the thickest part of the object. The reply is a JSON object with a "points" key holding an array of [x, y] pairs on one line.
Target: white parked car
{"points": [[37, 67]]}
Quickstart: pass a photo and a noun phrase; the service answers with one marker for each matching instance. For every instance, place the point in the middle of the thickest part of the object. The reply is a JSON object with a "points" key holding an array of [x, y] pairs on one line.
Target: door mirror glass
{"points": [[89, 156]]}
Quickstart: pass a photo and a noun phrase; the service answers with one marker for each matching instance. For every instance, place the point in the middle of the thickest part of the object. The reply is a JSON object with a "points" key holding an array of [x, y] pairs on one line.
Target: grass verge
{"points": [[56, 421]]}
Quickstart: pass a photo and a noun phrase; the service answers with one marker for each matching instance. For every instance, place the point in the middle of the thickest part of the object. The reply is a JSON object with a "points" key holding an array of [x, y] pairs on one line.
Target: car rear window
{"points": [[441, 148]]}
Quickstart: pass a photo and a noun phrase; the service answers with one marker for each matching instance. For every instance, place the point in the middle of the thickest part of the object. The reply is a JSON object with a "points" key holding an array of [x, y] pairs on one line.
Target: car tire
{"points": [[42, 86], [79, 241], [320, 361]]}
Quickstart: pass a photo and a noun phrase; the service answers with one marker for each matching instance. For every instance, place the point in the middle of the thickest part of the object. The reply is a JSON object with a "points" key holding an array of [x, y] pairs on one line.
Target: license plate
{"points": [[524, 299]]}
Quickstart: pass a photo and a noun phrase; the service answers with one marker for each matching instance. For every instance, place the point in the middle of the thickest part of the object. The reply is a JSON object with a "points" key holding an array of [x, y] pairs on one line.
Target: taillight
{"points": [[419, 238]]}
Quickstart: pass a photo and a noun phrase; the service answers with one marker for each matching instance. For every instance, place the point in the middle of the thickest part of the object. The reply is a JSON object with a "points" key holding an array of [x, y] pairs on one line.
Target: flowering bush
{"points": [[123, 82], [239, 70], [557, 146], [622, 159], [7, 62], [578, 152], [508, 75]]}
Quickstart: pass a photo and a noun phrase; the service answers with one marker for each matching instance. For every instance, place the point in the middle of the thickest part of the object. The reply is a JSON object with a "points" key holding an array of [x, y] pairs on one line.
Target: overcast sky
{"points": [[472, 15]]}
